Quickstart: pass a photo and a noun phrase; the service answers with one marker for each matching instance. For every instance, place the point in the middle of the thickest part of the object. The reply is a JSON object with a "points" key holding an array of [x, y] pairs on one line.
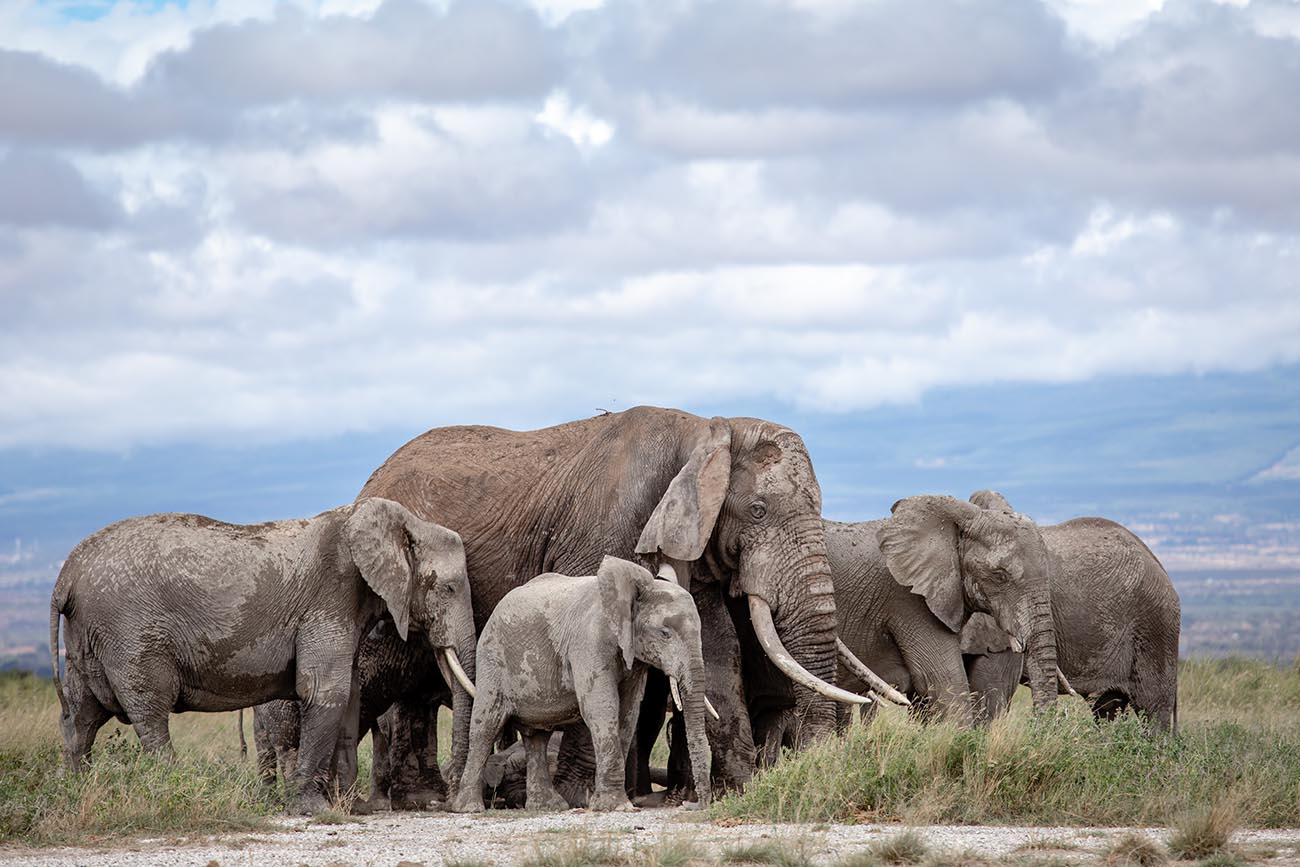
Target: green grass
{"points": [[1239, 736]]}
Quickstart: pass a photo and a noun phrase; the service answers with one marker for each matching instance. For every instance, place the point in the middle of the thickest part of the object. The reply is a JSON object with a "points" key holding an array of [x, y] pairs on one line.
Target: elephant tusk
{"points": [[677, 696], [667, 573], [873, 680], [708, 705], [454, 662], [760, 614], [1017, 646], [1065, 684]]}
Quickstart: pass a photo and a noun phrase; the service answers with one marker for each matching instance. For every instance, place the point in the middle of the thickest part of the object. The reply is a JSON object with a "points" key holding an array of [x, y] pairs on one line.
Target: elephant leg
{"points": [[380, 772], [82, 720], [993, 680], [488, 716], [731, 736], [541, 794], [264, 745], [575, 771], [345, 749], [649, 723], [937, 670], [149, 711], [325, 693], [417, 781], [599, 704]]}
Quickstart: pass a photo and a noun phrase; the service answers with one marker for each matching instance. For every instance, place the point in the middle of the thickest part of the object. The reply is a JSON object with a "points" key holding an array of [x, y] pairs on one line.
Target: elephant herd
{"points": [[592, 580]]}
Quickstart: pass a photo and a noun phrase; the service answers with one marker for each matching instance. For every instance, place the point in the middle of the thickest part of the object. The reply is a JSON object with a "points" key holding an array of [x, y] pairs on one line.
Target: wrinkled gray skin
{"points": [[1117, 619], [505, 779], [560, 649], [906, 585], [171, 613], [388, 670], [733, 501], [890, 628]]}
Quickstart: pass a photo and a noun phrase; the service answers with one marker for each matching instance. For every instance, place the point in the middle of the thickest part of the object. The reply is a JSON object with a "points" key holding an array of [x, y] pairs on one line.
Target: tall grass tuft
{"points": [[1134, 850], [1203, 831], [1241, 735]]}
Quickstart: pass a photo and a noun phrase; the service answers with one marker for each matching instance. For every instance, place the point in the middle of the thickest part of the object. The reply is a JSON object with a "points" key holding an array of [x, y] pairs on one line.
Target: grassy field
{"points": [[1238, 752]]}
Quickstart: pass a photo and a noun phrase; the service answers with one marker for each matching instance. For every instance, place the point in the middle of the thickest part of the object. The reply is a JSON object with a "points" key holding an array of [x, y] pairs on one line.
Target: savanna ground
{"points": [[1027, 792]]}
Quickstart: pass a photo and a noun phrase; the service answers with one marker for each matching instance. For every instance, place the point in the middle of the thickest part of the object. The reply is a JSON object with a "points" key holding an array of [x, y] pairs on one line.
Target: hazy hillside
{"points": [[1239, 613]]}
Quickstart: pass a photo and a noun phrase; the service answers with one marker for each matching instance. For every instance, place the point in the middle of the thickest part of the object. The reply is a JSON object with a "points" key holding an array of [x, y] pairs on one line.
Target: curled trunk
{"points": [[697, 740]]}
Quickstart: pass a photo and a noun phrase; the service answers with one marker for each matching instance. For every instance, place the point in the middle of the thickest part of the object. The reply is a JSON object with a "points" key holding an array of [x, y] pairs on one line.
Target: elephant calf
{"points": [[170, 613], [559, 649]]}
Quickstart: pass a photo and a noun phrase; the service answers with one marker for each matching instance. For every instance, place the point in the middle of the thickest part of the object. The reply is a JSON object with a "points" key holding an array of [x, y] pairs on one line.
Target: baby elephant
{"points": [[171, 613], [559, 649]]}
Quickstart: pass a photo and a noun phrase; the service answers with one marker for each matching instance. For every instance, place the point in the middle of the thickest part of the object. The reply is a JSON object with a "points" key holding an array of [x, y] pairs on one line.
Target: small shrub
{"points": [[1223, 859], [1135, 850], [904, 848], [1202, 832], [775, 852], [582, 852], [960, 858], [670, 852]]}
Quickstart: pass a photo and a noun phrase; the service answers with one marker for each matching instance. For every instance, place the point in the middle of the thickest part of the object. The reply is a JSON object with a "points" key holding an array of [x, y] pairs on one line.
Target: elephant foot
{"points": [[546, 802], [417, 799], [310, 803], [611, 802], [652, 800], [691, 806], [379, 803], [466, 803]]}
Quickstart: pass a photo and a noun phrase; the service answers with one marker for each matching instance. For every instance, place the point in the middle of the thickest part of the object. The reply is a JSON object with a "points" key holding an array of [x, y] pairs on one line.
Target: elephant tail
{"points": [[57, 604], [243, 744]]}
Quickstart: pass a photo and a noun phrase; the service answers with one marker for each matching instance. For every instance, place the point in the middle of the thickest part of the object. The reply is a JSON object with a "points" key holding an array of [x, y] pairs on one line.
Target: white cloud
{"points": [[225, 220]]}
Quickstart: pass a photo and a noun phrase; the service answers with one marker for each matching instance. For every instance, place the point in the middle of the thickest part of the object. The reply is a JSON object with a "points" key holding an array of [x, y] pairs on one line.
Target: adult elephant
{"points": [[1116, 616], [907, 585], [729, 500]]}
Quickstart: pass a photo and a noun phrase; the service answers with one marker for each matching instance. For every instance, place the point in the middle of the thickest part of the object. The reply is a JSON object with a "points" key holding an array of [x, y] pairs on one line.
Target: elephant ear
{"points": [[680, 526], [981, 636], [620, 584], [377, 537], [987, 499], [920, 544]]}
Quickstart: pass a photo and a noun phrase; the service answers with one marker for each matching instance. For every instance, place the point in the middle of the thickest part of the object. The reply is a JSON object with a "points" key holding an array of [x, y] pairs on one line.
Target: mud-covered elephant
{"points": [[563, 648], [1117, 618], [733, 501], [388, 670], [170, 613], [906, 585]]}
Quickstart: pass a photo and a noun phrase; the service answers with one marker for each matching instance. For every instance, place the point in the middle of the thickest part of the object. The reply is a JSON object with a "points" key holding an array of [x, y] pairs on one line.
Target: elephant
{"points": [[1116, 615], [906, 585], [177, 612], [562, 648], [731, 501], [388, 670]]}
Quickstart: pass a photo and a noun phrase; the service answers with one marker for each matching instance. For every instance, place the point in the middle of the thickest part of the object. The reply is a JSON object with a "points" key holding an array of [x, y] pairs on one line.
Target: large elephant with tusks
{"points": [[727, 500]]}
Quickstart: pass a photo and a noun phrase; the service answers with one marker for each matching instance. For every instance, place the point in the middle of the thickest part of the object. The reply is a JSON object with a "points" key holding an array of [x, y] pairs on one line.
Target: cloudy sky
{"points": [[248, 249]]}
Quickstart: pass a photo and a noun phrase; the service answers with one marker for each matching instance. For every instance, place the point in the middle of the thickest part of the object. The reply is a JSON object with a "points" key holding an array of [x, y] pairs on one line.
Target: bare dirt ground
{"points": [[508, 838]]}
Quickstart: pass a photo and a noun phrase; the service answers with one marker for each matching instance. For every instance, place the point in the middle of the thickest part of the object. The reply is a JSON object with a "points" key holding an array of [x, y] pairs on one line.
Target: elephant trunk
{"points": [[791, 593], [462, 703], [1040, 654], [697, 740]]}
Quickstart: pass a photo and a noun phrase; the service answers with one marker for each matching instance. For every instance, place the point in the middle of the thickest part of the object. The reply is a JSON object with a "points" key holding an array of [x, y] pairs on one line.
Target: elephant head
{"points": [[962, 558], [418, 569], [656, 622], [746, 502]]}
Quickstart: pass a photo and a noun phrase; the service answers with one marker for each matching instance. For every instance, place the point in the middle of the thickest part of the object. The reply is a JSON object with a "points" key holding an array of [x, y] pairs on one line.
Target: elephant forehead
{"points": [[681, 622]]}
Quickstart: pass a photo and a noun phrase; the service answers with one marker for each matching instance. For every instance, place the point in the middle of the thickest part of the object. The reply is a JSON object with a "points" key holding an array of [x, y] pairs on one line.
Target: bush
{"points": [[1204, 831], [1134, 850]]}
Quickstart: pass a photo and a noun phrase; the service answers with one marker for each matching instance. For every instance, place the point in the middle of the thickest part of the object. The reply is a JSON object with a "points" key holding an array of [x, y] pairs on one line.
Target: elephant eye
{"points": [[446, 589], [758, 509], [666, 632]]}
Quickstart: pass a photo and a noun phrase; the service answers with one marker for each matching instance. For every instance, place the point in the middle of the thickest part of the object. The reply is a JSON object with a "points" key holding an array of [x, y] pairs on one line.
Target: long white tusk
{"points": [[668, 573], [677, 696], [1060, 678], [873, 680], [1017, 645], [761, 616], [454, 661], [708, 705]]}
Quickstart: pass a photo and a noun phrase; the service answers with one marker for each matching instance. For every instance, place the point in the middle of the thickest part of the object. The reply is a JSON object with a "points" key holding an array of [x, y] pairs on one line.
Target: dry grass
{"points": [[904, 848], [1058, 768], [1204, 831], [1135, 850]]}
